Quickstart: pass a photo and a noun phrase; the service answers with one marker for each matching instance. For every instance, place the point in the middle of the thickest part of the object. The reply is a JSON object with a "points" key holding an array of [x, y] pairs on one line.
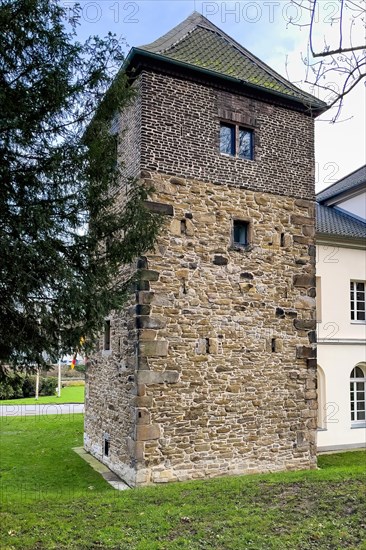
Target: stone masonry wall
{"points": [[181, 128], [228, 373], [110, 382], [213, 363]]}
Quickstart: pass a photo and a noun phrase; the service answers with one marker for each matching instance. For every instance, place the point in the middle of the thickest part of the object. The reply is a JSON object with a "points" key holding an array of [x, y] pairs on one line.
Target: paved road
{"points": [[40, 410]]}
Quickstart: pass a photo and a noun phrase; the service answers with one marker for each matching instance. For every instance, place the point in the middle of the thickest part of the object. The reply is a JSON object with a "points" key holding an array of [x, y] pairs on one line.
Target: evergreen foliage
{"points": [[59, 176]]}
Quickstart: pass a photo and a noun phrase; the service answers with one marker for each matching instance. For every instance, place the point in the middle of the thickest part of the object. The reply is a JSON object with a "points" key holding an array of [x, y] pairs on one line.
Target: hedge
{"points": [[16, 386]]}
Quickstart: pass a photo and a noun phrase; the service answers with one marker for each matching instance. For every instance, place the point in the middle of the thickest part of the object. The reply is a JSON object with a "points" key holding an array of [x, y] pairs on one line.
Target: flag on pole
{"points": [[73, 362]]}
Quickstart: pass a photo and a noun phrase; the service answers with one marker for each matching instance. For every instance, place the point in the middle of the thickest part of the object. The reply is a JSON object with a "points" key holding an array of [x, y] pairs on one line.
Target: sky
{"points": [[263, 27]]}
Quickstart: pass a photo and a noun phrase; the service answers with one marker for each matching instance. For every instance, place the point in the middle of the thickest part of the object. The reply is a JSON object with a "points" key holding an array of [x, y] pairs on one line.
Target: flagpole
{"points": [[37, 385], [59, 377]]}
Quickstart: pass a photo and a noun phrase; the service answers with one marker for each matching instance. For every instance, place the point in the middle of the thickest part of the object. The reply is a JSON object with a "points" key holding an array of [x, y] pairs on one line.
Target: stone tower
{"points": [[211, 367]]}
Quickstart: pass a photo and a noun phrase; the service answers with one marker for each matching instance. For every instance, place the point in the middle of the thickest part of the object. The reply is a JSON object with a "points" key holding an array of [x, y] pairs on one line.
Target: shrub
{"points": [[29, 386], [47, 386], [15, 386], [11, 386]]}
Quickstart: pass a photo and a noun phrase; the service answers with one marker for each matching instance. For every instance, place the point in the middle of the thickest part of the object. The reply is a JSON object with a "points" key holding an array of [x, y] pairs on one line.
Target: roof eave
{"points": [[342, 241], [315, 108]]}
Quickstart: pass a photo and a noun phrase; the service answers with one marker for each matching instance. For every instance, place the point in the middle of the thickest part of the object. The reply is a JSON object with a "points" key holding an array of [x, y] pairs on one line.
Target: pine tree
{"points": [[59, 173]]}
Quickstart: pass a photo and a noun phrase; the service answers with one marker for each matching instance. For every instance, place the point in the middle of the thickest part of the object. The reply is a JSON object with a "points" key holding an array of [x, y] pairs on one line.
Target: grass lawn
{"points": [[52, 499], [69, 394]]}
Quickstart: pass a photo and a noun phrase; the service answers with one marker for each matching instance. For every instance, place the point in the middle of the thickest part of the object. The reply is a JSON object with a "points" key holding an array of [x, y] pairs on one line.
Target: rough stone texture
{"points": [[213, 356]]}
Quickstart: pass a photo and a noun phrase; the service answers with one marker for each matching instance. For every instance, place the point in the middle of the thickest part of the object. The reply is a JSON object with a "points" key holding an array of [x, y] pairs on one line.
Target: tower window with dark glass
{"points": [[236, 141]]}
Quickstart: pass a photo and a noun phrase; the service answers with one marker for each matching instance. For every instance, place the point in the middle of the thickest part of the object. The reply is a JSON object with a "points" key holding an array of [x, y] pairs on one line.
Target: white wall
{"points": [[355, 205], [337, 362], [336, 267]]}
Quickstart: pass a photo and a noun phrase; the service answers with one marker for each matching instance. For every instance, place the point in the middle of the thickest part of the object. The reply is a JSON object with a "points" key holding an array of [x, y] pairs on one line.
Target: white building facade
{"points": [[341, 321]]}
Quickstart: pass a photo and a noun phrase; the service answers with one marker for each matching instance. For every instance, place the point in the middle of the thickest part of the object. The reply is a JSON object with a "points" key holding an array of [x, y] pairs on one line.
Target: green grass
{"points": [[69, 394], [51, 498]]}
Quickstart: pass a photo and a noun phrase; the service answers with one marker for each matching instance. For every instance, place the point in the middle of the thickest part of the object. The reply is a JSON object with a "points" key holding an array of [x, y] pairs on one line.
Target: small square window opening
{"points": [[240, 234]]}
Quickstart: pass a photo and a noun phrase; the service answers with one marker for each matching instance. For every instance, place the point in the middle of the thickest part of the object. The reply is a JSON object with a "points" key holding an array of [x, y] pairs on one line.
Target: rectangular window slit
{"points": [[282, 239], [106, 446], [183, 227], [207, 345], [273, 345], [107, 335]]}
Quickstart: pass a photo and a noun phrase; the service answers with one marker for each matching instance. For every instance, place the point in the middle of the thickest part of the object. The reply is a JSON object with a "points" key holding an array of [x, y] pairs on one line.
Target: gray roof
{"points": [[331, 221], [348, 183], [199, 43]]}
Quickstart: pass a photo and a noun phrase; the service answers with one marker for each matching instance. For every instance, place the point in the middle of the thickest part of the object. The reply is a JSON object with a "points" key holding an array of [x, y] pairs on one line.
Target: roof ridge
{"points": [[343, 185], [338, 181], [188, 25]]}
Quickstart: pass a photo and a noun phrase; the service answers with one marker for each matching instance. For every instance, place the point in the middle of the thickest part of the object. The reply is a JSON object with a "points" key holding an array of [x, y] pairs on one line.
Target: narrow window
{"points": [[183, 227], [107, 335], [207, 345], [357, 299], [240, 233], [227, 139], [282, 242], [273, 345], [357, 395], [106, 446]]}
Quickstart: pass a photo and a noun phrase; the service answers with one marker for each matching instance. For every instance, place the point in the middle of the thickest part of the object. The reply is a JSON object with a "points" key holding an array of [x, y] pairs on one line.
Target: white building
{"points": [[341, 281]]}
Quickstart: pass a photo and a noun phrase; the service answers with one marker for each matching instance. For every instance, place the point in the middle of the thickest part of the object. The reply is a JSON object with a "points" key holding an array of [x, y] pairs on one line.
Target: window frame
{"points": [[237, 245], [236, 129], [353, 300], [354, 380]]}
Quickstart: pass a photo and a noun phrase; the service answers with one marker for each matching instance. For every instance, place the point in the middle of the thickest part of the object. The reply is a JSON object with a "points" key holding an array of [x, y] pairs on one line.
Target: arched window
{"points": [[358, 395]]}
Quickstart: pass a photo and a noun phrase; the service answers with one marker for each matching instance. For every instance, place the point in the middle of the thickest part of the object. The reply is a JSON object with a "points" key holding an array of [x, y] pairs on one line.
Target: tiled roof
{"points": [[331, 221], [353, 180], [198, 42]]}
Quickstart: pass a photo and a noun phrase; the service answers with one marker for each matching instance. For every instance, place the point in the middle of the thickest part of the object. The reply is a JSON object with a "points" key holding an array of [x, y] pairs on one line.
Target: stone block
{"points": [[148, 275], [147, 334], [300, 239], [305, 324], [176, 228], [296, 219], [145, 297], [205, 217], [149, 377], [305, 352], [189, 228], [245, 287], [308, 230], [159, 208], [142, 401], [220, 260], [147, 432], [143, 416], [177, 181], [143, 309], [246, 275], [157, 348], [147, 322], [302, 203], [304, 280]]}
